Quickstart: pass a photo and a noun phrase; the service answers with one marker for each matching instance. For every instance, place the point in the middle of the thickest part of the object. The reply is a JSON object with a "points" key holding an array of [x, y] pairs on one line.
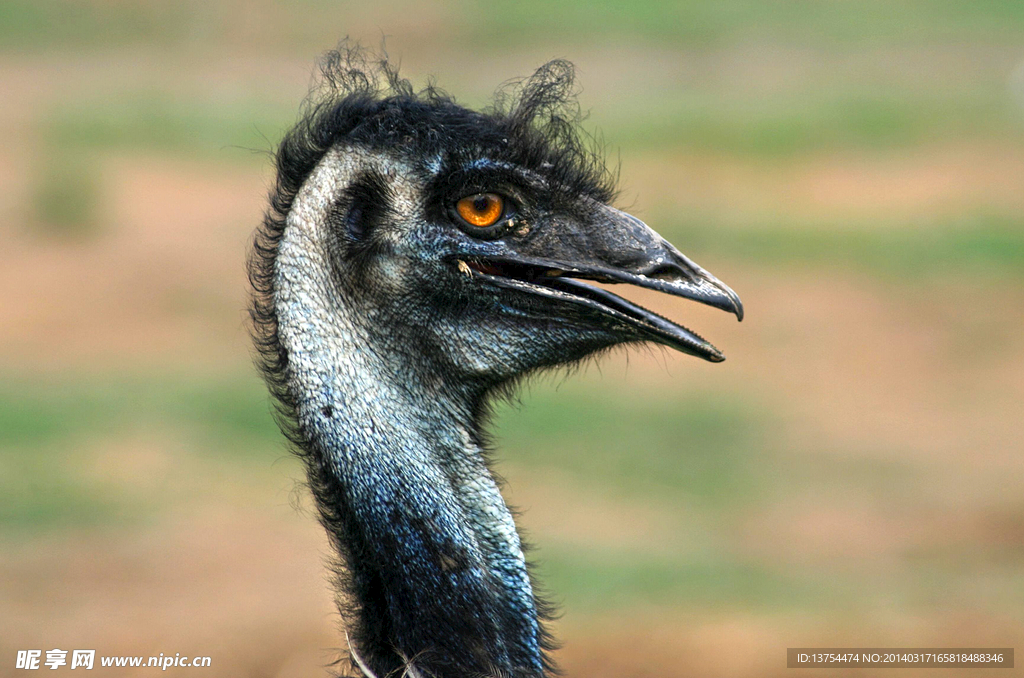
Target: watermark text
{"points": [[33, 660]]}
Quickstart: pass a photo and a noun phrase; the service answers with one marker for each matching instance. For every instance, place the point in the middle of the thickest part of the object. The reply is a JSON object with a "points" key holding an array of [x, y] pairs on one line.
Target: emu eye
{"points": [[481, 210]]}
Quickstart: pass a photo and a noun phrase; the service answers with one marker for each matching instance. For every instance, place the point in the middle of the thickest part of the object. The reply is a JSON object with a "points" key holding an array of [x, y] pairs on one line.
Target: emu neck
{"points": [[435, 570]]}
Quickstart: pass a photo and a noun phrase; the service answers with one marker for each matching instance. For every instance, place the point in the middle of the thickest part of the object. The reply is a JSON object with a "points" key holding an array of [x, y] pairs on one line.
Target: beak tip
{"points": [[709, 353], [737, 305]]}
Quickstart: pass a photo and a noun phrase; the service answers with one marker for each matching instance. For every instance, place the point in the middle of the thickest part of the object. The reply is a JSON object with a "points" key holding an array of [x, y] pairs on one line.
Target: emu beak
{"points": [[614, 247], [636, 254]]}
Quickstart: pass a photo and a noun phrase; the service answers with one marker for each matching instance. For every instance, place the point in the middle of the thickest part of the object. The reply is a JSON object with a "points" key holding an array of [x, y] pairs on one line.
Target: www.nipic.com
{"points": [[31, 660]]}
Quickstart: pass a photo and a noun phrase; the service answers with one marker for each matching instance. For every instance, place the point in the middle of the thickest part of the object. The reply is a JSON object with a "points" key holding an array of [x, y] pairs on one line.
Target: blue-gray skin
{"points": [[385, 323]]}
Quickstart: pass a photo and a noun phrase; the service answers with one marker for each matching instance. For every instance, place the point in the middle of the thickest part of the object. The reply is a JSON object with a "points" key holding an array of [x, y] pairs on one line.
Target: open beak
{"points": [[614, 248]]}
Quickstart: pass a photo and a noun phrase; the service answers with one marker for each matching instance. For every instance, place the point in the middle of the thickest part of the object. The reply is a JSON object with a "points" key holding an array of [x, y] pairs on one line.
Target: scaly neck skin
{"points": [[435, 565]]}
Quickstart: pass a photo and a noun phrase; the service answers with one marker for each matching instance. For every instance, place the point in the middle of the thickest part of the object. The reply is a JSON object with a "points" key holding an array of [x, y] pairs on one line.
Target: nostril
{"points": [[667, 272]]}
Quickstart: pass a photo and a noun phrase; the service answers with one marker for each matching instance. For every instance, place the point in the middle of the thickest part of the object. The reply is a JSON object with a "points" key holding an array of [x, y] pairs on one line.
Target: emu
{"points": [[416, 261]]}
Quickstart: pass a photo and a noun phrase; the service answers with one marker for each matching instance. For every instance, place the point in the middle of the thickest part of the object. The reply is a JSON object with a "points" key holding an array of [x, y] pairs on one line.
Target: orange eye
{"points": [[481, 210]]}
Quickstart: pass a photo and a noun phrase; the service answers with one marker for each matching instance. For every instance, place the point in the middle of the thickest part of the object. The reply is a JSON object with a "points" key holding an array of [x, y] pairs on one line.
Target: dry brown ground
{"points": [[856, 189]]}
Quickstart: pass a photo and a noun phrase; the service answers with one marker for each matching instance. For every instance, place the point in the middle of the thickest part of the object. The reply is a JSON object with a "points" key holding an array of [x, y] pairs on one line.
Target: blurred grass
{"points": [[715, 454], [235, 413], [809, 21], [42, 492], [66, 196], [69, 23], [590, 579], [986, 247], [857, 96], [713, 458], [703, 447], [93, 22], [815, 120], [811, 121], [154, 121], [49, 432]]}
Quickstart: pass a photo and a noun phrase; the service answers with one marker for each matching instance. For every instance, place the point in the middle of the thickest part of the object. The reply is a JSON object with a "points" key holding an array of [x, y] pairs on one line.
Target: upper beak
{"points": [[615, 247], [634, 253]]}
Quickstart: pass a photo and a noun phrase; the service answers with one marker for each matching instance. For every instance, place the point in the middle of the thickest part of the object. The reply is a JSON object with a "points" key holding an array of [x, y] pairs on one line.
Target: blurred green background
{"points": [[851, 476]]}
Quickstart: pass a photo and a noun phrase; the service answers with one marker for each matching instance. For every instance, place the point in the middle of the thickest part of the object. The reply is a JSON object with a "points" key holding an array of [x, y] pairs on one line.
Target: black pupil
{"points": [[481, 203]]}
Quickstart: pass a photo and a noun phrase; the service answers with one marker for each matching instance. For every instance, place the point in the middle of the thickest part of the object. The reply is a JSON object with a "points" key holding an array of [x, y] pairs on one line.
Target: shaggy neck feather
{"points": [[435, 562]]}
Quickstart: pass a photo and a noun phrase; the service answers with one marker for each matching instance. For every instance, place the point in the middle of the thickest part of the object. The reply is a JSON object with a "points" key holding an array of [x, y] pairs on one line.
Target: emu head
{"points": [[466, 237]]}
